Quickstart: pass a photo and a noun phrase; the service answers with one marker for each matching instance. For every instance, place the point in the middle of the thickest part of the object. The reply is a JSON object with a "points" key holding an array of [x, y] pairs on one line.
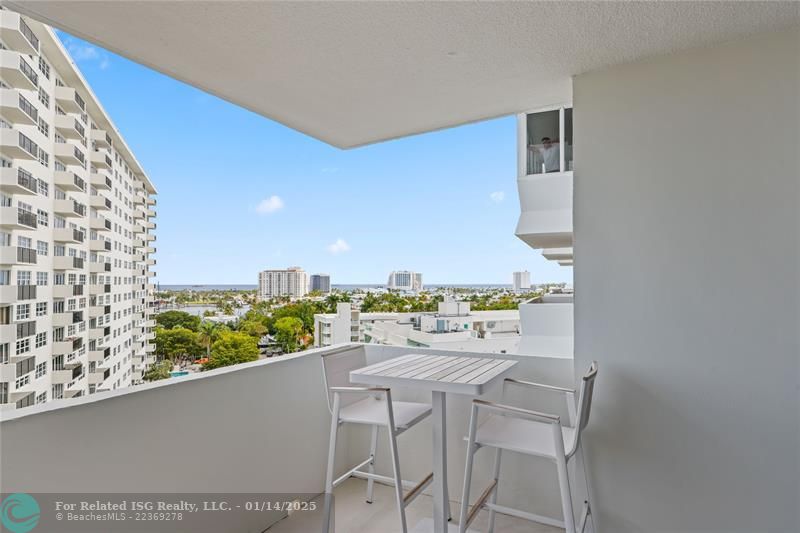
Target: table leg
{"points": [[441, 500]]}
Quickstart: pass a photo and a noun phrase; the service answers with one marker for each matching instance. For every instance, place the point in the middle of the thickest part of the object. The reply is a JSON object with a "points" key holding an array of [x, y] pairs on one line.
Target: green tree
{"points": [[232, 348], [207, 334], [177, 344], [172, 319], [288, 332], [158, 371]]}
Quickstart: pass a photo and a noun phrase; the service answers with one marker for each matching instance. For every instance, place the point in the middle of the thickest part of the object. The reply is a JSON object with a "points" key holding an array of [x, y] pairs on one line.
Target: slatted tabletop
{"points": [[444, 373]]}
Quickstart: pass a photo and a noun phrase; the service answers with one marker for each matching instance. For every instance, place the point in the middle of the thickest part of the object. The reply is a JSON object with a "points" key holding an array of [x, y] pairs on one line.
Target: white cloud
{"points": [[269, 205], [84, 53], [338, 247], [497, 196]]}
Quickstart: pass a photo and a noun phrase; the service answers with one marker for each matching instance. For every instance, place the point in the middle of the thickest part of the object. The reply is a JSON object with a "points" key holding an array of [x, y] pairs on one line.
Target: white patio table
{"points": [[438, 374]]}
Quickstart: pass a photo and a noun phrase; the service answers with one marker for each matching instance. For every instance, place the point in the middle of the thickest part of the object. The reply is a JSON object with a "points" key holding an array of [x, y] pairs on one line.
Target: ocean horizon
{"points": [[343, 286]]}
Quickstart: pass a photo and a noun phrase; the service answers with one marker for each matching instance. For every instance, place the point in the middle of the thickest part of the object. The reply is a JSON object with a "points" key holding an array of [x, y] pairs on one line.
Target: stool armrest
{"points": [[517, 412]]}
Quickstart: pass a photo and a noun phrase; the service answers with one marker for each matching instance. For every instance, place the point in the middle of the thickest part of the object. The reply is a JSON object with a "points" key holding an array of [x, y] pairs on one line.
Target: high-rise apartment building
{"points": [[75, 230], [321, 283], [522, 281], [292, 282], [404, 280]]}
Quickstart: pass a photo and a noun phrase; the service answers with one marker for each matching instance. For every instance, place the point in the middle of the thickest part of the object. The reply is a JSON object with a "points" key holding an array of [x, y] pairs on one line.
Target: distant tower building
{"points": [[321, 283], [404, 280], [522, 281], [290, 282]]}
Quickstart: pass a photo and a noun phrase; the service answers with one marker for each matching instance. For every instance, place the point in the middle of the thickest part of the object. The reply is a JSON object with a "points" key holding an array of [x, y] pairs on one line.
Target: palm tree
{"points": [[207, 334]]}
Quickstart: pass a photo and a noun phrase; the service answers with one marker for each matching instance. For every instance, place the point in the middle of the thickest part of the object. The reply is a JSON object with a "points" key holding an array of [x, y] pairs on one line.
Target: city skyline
{"points": [[288, 199]]}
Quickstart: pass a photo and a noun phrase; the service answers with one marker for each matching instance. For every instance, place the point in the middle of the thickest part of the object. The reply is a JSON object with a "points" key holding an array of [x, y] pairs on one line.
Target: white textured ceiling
{"points": [[352, 73]]}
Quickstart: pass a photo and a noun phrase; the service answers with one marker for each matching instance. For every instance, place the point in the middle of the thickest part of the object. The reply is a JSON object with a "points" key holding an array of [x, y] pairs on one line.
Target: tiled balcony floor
{"points": [[354, 515]]}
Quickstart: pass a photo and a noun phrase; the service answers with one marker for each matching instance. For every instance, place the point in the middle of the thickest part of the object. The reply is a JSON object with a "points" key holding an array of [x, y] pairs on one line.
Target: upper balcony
{"points": [[69, 100], [69, 154], [69, 208], [17, 35], [100, 202], [545, 166], [17, 109], [17, 145], [17, 255], [69, 127], [101, 159], [267, 458], [16, 71], [101, 138], [100, 180], [100, 224], [69, 181], [16, 218], [17, 181]]}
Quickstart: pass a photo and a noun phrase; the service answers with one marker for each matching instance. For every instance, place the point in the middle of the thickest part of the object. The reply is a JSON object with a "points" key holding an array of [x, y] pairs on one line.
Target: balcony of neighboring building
{"points": [[99, 245], [100, 159], [17, 35], [100, 224], [69, 181], [18, 255], [16, 70], [69, 208], [17, 109], [545, 178], [69, 127], [67, 290], [100, 180], [10, 294], [69, 154], [100, 202], [69, 100], [98, 267], [95, 311], [17, 181], [558, 254], [68, 235], [66, 262], [16, 145], [101, 138], [16, 218]]}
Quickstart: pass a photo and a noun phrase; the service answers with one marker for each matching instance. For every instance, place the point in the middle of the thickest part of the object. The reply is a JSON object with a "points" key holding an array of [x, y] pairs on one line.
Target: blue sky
{"points": [[239, 193]]}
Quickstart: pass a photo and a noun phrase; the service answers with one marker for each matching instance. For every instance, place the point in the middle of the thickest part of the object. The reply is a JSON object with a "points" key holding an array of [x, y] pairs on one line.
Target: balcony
{"points": [[62, 318], [150, 237], [150, 200], [17, 145], [67, 263], [100, 224], [99, 268], [69, 181], [138, 229], [68, 235], [138, 214], [17, 255], [101, 138], [546, 204], [69, 100], [17, 181], [98, 332], [15, 218], [17, 35], [268, 460], [99, 245], [69, 127], [61, 376], [96, 311], [100, 160], [557, 254], [100, 288], [100, 202], [69, 208], [77, 385], [17, 72], [100, 181], [17, 109], [98, 356], [69, 154]]}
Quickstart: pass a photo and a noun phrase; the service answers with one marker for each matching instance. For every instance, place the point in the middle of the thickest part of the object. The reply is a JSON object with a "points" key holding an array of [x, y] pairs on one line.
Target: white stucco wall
{"points": [[687, 237]]}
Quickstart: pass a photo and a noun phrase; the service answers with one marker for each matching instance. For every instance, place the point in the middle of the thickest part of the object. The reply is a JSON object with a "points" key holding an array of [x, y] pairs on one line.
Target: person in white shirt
{"points": [[551, 155], [545, 157]]}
